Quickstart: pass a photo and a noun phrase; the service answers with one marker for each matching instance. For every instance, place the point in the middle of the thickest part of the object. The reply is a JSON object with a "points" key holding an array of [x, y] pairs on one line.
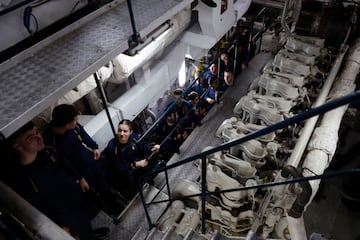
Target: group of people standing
{"points": [[190, 106], [54, 170]]}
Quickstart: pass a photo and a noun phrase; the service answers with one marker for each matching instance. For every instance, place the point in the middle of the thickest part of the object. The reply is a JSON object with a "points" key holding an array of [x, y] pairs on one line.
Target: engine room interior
{"points": [[274, 156]]}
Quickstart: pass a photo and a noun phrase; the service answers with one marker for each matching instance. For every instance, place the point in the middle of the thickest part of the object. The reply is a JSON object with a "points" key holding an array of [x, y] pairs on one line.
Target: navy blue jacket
{"points": [[75, 147], [51, 190], [123, 155]]}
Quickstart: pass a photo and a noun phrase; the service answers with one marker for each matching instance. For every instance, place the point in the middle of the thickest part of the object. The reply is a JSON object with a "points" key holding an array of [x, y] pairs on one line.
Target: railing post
{"points": [[145, 205], [104, 101], [133, 39], [167, 182], [203, 193]]}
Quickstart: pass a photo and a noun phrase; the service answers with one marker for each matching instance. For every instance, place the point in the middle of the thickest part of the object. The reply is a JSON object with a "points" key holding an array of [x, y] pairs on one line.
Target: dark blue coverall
{"points": [[122, 156], [52, 191], [71, 148]]}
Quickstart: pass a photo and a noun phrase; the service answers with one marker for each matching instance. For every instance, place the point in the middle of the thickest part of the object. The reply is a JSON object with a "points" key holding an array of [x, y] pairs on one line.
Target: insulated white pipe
{"points": [[296, 228], [325, 136], [324, 140], [306, 132]]}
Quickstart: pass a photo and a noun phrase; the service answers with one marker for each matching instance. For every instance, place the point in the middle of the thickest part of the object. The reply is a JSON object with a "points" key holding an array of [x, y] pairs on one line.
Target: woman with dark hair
{"points": [[128, 157]]}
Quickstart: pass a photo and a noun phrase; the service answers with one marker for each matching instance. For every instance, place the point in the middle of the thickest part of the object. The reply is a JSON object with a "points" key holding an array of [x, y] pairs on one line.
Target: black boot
{"points": [[209, 3]]}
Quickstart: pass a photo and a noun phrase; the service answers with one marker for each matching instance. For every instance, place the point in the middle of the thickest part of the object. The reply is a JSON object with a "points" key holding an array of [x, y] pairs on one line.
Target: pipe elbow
{"points": [[303, 198]]}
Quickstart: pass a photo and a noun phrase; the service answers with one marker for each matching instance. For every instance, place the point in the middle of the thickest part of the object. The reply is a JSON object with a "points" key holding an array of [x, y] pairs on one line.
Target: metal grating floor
{"points": [[30, 85], [133, 221]]}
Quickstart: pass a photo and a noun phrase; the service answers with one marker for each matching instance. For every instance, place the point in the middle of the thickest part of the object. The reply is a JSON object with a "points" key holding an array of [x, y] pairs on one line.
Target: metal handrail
{"points": [[350, 98]]}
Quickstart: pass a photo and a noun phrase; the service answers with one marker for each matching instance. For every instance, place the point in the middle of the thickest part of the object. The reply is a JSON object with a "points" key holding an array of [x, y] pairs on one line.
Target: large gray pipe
{"points": [[37, 223]]}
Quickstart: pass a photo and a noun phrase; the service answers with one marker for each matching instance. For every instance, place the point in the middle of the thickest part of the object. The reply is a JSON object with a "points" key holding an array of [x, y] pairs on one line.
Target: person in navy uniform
{"points": [[227, 81], [129, 157], [198, 111], [81, 152], [225, 62], [32, 171], [182, 106], [211, 72], [200, 85], [210, 96]]}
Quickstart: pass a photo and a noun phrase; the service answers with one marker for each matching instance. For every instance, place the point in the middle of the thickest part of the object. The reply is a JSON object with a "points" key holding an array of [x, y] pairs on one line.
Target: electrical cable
{"points": [[27, 20]]}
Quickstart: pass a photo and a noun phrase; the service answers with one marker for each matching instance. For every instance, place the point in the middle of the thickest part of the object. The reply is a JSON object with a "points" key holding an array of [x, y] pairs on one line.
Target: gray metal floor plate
{"points": [[32, 84], [133, 221]]}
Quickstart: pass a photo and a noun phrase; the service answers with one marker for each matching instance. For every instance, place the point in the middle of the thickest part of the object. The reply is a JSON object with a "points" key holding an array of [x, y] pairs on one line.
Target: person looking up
{"points": [[182, 106], [225, 62], [228, 77], [212, 71], [210, 97], [228, 80], [197, 112], [200, 85], [33, 171]]}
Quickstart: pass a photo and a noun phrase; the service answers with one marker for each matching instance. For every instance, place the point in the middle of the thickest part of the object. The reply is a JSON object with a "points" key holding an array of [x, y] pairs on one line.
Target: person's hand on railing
{"points": [[141, 163], [155, 148]]}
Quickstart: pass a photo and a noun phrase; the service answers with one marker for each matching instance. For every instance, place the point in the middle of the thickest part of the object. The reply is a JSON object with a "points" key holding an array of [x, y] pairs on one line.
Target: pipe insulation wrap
{"points": [[323, 143]]}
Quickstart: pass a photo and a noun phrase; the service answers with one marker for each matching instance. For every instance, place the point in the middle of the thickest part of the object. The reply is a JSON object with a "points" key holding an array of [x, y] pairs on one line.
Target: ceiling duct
{"points": [[125, 65]]}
